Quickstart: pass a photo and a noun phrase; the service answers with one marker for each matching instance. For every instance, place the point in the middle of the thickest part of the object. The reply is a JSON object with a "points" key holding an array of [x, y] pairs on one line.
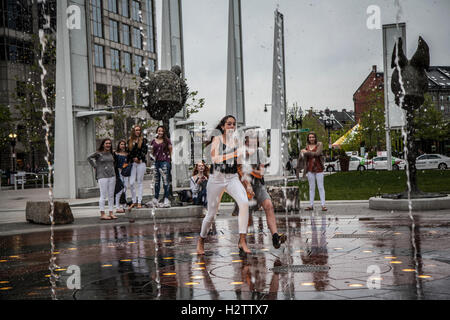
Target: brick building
{"points": [[366, 94]]}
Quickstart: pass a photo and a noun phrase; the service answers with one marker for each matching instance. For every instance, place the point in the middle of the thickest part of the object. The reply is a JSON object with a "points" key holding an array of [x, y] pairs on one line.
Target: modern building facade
{"points": [[122, 38]]}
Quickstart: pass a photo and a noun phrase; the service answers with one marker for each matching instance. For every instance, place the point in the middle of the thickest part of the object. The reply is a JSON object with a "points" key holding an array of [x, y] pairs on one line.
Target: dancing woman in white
{"points": [[103, 162], [137, 146], [311, 159], [224, 177]]}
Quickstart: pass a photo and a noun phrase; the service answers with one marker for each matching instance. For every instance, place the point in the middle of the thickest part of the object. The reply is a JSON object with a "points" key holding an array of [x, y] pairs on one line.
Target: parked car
{"points": [[355, 163], [432, 161], [380, 163]]}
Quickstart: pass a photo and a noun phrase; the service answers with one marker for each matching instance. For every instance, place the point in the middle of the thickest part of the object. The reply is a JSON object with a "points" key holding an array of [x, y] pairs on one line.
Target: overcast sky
{"points": [[329, 49]]}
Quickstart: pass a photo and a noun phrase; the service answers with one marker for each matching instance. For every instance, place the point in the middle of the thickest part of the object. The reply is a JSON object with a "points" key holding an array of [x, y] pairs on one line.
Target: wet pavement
{"points": [[327, 256]]}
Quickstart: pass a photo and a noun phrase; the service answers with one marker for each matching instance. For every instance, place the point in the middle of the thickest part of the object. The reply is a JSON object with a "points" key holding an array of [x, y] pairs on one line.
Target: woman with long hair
{"points": [[224, 177], [123, 171], [103, 162], [137, 147], [198, 183], [162, 152], [311, 159]]}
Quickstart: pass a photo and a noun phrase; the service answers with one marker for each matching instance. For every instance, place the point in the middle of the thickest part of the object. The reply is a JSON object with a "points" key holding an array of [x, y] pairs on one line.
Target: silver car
{"points": [[432, 161]]}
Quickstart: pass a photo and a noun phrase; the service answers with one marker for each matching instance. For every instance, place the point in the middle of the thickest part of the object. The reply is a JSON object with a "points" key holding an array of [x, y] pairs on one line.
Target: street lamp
{"points": [[298, 121], [12, 136], [328, 121]]}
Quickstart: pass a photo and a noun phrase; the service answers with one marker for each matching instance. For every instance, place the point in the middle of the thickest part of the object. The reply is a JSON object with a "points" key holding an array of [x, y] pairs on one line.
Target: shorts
{"points": [[260, 191]]}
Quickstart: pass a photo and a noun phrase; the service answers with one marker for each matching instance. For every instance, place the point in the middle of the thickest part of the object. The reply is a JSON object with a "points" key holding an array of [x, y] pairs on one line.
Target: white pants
{"points": [[125, 181], [137, 176], [312, 177], [107, 186], [217, 184]]}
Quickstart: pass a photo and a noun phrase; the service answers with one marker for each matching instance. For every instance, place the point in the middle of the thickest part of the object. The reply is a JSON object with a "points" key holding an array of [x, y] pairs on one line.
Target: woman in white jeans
{"points": [[311, 159], [137, 146], [103, 163], [224, 177]]}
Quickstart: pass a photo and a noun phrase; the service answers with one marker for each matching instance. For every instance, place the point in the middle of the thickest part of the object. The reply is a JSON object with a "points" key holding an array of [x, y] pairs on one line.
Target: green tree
{"points": [[372, 123], [429, 122], [5, 126], [194, 104], [27, 109]]}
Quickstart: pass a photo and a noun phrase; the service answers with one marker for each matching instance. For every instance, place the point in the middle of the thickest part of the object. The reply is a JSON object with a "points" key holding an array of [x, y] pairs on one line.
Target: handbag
{"points": [[126, 171]]}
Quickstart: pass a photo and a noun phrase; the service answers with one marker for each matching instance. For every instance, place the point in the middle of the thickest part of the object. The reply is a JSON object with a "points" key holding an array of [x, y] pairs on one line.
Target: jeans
{"points": [[136, 179], [162, 171], [218, 183], [107, 186], [201, 199]]}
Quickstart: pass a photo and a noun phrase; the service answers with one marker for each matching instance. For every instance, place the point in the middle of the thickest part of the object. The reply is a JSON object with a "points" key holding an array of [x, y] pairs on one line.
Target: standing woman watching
{"points": [[311, 159], [224, 177], [137, 146], [124, 171], [103, 162], [162, 151]]}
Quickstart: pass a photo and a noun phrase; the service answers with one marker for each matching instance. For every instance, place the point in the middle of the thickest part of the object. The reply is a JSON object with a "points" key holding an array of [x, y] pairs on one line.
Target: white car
{"points": [[380, 163], [432, 161], [355, 163]]}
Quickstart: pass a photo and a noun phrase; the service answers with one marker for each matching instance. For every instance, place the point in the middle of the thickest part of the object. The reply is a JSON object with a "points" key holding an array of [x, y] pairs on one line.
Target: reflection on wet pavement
{"points": [[326, 257]]}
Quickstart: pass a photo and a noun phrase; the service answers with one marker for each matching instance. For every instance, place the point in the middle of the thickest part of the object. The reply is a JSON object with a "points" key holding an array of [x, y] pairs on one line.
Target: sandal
{"points": [[104, 217], [309, 208], [113, 217], [139, 206], [120, 211], [324, 208]]}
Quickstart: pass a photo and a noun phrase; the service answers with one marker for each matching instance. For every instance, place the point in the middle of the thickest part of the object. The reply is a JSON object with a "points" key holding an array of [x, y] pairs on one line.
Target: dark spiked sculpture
{"points": [[164, 93], [409, 84]]}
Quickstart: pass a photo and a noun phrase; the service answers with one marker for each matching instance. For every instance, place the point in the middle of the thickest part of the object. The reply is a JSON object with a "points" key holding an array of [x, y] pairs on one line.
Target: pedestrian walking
{"points": [[103, 163]]}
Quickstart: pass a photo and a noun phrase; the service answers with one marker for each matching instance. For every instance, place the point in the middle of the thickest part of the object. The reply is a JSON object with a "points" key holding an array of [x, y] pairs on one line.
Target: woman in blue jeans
{"points": [[162, 151]]}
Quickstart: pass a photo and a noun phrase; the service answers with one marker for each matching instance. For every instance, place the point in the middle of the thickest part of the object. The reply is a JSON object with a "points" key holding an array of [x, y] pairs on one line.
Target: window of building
{"points": [[151, 65], [125, 8], [127, 62], [137, 64], [150, 29], [137, 38], [113, 30], [99, 56], [135, 8], [126, 34], [112, 6], [97, 18], [21, 88], [129, 97], [117, 96], [101, 93], [115, 59], [18, 15]]}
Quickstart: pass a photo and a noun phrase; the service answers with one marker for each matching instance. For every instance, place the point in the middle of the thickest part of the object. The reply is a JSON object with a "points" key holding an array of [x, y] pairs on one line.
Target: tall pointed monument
{"points": [[235, 104]]}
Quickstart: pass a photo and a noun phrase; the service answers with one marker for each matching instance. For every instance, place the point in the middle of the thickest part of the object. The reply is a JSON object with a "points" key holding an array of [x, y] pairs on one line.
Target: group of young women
{"points": [[115, 170], [226, 176]]}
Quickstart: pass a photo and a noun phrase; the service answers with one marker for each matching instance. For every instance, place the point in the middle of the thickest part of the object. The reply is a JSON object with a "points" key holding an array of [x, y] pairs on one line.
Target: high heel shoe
{"points": [[242, 252]]}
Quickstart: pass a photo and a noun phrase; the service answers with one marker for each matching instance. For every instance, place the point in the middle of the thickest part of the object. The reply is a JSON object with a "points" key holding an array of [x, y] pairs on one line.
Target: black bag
{"points": [[126, 172]]}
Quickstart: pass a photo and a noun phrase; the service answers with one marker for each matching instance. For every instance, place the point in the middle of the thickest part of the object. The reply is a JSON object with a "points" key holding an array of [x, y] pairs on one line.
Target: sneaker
{"points": [[166, 203]]}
